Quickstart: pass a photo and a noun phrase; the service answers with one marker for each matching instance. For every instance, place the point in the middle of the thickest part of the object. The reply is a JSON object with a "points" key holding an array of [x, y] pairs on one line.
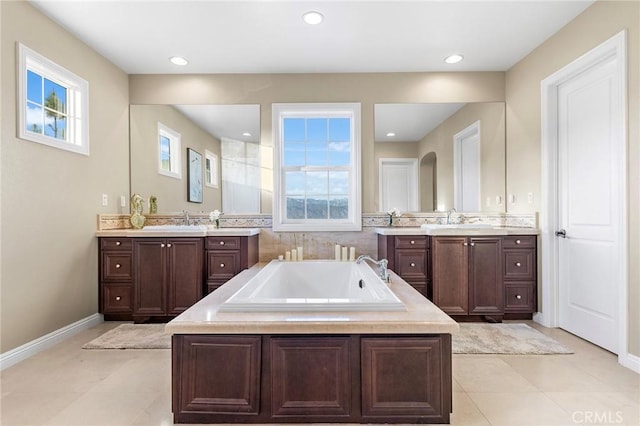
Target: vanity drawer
{"points": [[519, 265], [411, 265], [223, 243], [519, 241], [411, 242], [519, 297], [116, 298], [116, 266], [222, 266], [112, 243]]}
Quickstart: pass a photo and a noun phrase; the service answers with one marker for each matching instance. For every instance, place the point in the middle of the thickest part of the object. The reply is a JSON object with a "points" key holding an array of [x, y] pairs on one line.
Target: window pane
{"points": [[339, 154], [317, 130], [339, 130], [294, 154], [317, 154], [34, 87], [165, 153], [293, 130], [295, 207], [207, 168], [294, 183], [55, 96], [317, 208], [339, 208], [338, 183], [55, 125], [317, 183], [34, 118]]}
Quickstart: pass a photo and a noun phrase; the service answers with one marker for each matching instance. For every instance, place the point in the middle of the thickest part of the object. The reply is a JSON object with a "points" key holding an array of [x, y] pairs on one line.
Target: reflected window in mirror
{"points": [[169, 148], [317, 167], [211, 169]]}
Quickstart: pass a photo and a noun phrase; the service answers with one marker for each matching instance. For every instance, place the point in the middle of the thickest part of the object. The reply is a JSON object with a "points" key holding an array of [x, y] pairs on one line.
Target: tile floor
{"points": [[67, 386]]}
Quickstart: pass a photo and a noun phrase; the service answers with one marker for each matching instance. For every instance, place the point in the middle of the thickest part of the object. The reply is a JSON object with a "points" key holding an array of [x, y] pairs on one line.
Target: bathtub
{"points": [[314, 285]]}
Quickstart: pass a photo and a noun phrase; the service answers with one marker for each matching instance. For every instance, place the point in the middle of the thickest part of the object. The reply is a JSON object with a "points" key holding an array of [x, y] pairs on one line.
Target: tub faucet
{"points": [[449, 213], [382, 264]]}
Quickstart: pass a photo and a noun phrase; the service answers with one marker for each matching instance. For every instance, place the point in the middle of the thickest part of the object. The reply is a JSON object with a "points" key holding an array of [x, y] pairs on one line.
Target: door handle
{"points": [[561, 233]]}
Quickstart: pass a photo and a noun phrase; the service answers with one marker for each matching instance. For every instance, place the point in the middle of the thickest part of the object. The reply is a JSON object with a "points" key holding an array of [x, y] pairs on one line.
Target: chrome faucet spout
{"points": [[382, 264], [449, 213], [186, 217]]}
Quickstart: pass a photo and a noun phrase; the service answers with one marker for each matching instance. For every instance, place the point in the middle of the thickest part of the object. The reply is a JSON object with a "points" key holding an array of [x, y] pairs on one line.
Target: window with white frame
{"points": [[54, 103], [211, 169], [169, 149], [317, 167]]}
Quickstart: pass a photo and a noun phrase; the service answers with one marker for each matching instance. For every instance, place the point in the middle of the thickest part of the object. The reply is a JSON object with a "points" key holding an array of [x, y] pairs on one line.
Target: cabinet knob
{"points": [[118, 266], [412, 242], [118, 298], [162, 245], [169, 245], [465, 244], [413, 264], [222, 265], [221, 243], [473, 244], [518, 297], [118, 243], [517, 241], [518, 264]]}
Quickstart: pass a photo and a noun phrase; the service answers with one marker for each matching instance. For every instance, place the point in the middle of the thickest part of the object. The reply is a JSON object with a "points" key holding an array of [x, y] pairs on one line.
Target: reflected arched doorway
{"points": [[428, 182]]}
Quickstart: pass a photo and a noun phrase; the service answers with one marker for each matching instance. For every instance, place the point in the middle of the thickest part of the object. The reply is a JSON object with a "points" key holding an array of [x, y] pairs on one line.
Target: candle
{"points": [[337, 251], [344, 254], [300, 254], [280, 258], [287, 255], [294, 255], [352, 254]]}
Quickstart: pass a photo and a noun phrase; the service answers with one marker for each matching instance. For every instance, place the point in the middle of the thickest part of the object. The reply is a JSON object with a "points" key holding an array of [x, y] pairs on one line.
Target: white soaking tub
{"points": [[314, 285]]}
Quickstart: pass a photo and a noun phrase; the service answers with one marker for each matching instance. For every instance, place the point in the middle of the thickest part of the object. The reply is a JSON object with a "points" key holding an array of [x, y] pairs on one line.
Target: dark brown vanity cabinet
{"points": [[116, 276], [520, 274], [409, 257], [227, 256], [468, 276], [167, 275]]}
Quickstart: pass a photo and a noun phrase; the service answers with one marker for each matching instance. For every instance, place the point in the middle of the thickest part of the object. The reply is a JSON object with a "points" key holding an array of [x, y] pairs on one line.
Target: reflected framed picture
{"points": [[194, 180]]}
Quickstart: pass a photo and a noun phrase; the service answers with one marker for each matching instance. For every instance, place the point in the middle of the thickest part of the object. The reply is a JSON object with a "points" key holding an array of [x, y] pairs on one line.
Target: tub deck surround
{"points": [[421, 316]]}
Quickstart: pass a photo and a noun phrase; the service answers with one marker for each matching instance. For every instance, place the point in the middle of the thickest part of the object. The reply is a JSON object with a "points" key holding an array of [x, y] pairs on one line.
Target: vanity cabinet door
{"points": [[184, 269], [486, 292], [150, 276], [451, 274]]}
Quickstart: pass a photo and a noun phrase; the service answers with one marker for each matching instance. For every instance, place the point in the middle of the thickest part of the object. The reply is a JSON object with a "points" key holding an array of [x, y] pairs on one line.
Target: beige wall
{"points": [[492, 153], [50, 197], [595, 25], [368, 89], [145, 179]]}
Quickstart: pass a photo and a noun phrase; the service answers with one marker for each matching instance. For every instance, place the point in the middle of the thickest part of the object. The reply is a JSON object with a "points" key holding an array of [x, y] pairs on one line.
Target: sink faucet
{"points": [[186, 217], [382, 264], [449, 213]]}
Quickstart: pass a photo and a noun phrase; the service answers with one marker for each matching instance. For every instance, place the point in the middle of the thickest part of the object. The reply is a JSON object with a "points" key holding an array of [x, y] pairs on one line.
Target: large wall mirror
{"points": [[226, 136], [460, 152]]}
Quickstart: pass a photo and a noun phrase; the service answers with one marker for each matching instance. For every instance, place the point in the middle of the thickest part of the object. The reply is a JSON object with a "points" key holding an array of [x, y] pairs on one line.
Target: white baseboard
{"points": [[14, 356], [630, 361]]}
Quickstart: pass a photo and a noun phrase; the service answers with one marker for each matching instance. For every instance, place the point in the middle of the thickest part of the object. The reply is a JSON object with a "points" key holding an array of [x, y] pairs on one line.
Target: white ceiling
{"points": [[269, 36]]}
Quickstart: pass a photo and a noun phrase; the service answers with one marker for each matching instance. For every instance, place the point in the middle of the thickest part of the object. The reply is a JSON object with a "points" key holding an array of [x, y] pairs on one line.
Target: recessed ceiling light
{"points": [[390, 134], [247, 134], [178, 60], [313, 17], [453, 59]]}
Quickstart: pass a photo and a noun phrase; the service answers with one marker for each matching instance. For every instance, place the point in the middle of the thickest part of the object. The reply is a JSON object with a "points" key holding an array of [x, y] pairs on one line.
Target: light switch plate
{"points": [[105, 200]]}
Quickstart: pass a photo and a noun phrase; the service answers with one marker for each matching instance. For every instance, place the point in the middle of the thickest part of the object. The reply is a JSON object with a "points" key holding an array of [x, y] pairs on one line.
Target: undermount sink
{"points": [[456, 226], [176, 228]]}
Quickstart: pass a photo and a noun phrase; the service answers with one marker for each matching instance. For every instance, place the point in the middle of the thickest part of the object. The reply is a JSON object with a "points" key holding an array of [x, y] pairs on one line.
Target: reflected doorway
{"points": [[429, 183]]}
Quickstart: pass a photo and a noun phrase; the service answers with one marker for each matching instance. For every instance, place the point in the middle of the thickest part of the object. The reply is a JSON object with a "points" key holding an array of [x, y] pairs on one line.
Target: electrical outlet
{"points": [[530, 198], [123, 201], [512, 198], [488, 201], [105, 200]]}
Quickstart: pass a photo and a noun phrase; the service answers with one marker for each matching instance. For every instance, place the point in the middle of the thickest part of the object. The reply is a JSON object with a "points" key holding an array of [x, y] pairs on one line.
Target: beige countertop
{"points": [[421, 317], [179, 231], [457, 231]]}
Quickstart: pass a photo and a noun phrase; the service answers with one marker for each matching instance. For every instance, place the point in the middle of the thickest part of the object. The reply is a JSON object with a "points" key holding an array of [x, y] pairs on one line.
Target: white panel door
{"points": [[398, 184], [466, 169], [588, 193]]}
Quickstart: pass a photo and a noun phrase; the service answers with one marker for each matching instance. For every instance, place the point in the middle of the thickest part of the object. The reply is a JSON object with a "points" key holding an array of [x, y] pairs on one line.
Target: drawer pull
{"points": [[518, 297], [473, 244], [221, 243], [118, 243], [222, 265], [517, 241], [169, 245], [412, 242], [413, 265], [518, 264], [118, 266], [465, 244], [118, 298]]}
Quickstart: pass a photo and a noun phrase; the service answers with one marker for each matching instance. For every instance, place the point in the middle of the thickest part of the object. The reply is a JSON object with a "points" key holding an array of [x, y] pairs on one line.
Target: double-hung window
{"points": [[54, 103], [317, 167], [169, 148]]}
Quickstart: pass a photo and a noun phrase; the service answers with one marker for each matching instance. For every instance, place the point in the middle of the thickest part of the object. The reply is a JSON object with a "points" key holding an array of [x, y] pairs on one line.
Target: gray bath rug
{"points": [[506, 339], [133, 336]]}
